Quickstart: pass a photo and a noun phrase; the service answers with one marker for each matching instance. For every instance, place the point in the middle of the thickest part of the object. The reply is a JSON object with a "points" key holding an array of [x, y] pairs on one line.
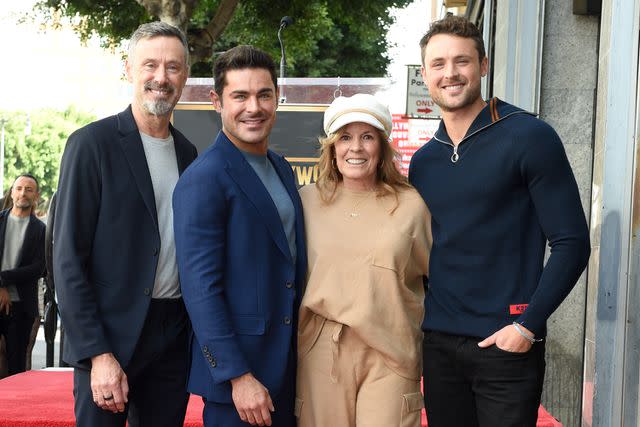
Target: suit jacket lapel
{"points": [[3, 229], [245, 177], [284, 172], [131, 144], [184, 153]]}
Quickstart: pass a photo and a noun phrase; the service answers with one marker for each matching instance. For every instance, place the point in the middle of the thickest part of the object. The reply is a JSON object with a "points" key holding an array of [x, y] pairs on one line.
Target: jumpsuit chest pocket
{"points": [[392, 249]]}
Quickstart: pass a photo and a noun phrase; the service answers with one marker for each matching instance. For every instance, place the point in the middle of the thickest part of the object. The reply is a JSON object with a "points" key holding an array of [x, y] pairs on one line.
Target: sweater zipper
{"points": [[455, 156]]}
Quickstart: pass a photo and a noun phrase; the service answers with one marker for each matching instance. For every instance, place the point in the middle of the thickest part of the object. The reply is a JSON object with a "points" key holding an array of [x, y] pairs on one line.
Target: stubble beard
{"points": [[468, 99], [23, 205]]}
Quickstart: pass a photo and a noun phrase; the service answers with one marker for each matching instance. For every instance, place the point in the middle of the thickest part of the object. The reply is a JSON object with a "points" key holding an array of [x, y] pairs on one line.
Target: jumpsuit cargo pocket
{"points": [[412, 404], [298, 408]]}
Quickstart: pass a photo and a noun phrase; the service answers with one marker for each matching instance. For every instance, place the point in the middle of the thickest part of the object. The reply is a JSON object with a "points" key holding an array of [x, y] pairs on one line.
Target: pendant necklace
{"points": [[354, 210]]}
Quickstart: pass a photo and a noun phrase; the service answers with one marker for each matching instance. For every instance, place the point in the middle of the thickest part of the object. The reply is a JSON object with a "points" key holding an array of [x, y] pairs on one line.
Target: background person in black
{"points": [[22, 264]]}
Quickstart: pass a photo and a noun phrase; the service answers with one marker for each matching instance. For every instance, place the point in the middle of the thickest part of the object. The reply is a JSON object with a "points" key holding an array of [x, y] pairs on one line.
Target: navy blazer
{"points": [[106, 237], [239, 282], [30, 265]]}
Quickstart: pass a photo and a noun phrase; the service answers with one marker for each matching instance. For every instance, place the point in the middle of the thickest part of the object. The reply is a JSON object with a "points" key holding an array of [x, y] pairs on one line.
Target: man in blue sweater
{"points": [[499, 186]]}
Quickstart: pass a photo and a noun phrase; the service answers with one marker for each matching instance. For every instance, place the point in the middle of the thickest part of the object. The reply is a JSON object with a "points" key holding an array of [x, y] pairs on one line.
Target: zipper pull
{"points": [[455, 156]]}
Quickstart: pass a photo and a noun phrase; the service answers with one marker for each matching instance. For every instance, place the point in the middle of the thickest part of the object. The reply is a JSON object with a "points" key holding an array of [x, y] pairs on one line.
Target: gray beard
{"points": [[158, 108], [24, 206]]}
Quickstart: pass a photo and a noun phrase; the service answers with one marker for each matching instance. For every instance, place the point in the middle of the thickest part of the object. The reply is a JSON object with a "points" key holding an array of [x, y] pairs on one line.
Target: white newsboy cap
{"points": [[360, 107]]}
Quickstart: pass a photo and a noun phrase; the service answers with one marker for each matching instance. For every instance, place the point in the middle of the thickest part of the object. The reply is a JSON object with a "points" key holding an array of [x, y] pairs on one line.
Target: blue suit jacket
{"points": [[106, 237], [240, 286]]}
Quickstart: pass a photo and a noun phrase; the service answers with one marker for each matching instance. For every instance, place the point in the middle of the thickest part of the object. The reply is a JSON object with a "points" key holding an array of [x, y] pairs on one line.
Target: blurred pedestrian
{"points": [[23, 264]]}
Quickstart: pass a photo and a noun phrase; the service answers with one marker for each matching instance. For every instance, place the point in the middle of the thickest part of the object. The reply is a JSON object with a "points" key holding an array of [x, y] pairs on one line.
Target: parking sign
{"points": [[419, 102]]}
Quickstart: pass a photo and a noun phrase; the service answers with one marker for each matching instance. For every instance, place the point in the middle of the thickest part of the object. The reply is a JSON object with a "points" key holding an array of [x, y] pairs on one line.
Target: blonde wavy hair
{"points": [[390, 181]]}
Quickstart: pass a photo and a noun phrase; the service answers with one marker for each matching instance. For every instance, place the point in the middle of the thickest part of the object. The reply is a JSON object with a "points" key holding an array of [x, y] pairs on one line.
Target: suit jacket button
{"points": [[287, 320], [213, 364], [289, 285], [205, 349], [147, 291]]}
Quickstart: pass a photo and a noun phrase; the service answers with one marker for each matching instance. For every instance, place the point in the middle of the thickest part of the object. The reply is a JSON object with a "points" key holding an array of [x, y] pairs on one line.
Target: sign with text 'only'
{"points": [[419, 102]]}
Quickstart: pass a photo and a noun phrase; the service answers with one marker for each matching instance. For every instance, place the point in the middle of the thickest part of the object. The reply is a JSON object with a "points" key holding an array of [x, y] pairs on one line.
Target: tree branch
{"points": [[201, 39], [178, 13], [174, 12], [221, 19]]}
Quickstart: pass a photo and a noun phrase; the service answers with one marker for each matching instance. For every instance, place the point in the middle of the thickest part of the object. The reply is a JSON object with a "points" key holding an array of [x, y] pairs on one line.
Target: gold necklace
{"points": [[354, 210]]}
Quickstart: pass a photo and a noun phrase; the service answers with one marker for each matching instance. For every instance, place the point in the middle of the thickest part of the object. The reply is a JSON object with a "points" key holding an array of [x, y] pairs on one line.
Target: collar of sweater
{"points": [[496, 110]]}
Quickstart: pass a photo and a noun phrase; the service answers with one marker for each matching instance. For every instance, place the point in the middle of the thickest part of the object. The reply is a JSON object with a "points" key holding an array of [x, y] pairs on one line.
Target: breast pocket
{"points": [[392, 249]]}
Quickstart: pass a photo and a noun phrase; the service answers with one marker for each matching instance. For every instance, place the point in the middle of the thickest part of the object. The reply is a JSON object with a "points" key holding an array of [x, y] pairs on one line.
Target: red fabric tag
{"points": [[517, 308]]}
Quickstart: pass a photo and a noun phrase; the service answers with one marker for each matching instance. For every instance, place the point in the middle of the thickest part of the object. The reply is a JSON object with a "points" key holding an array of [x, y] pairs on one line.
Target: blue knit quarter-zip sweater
{"points": [[495, 200]]}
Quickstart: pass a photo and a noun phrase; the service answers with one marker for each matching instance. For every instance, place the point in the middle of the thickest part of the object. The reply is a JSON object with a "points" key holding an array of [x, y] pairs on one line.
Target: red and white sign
{"points": [[409, 135], [419, 102]]}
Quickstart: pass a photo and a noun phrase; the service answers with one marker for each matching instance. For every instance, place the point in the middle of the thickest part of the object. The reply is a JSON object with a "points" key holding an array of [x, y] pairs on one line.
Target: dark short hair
{"points": [[457, 26], [158, 29], [238, 58], [27, 175]]}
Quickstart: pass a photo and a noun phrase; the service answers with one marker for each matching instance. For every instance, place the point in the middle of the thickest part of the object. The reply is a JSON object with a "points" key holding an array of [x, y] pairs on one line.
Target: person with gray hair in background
{"points": [[114, 258], [21, 265]]}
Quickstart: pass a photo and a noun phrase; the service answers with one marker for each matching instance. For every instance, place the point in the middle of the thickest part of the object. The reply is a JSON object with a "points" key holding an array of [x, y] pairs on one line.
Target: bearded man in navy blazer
{"points": [[114, 254], [21, 265], [241, 254]]}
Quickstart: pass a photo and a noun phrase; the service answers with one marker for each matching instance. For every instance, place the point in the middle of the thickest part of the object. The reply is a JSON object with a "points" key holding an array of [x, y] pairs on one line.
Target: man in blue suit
{"points": [[241, 254], [114, 254]]}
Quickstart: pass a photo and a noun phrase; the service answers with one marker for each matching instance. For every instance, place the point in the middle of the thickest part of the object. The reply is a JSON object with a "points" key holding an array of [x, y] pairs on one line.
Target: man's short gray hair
{"points": [[158, 29]]}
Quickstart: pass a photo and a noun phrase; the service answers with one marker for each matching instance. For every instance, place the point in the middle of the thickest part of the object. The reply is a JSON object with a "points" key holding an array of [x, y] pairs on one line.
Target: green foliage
{"points": [[39, 152], [113, 20], [329, 37]]}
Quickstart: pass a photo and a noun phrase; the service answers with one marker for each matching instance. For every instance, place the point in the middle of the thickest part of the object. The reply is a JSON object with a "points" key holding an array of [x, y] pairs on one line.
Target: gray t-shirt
{"points": [[163, 168], [13, 240], [270, 179]]}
